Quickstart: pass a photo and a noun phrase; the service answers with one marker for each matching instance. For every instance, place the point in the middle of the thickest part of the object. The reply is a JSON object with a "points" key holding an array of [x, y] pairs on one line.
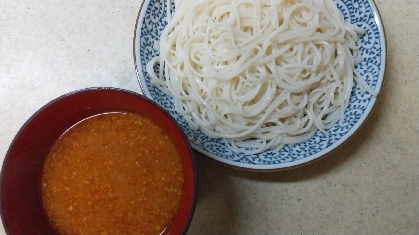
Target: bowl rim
{"points": [[301, 162], [118, 90]]}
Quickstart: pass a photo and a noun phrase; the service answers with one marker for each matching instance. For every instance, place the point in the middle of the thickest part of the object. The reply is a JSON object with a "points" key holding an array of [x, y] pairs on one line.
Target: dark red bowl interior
{"points": [[21, 202]]}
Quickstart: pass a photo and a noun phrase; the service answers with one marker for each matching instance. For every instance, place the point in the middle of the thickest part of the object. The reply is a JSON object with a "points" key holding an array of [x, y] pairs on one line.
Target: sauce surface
{"points": [[112, 174]]}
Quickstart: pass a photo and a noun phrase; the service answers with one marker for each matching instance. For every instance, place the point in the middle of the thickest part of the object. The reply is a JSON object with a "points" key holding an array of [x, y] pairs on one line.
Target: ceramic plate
{"points": [[152, 20]]}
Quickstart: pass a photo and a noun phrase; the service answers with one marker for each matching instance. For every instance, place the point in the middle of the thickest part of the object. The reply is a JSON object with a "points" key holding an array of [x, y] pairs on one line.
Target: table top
{"points": [[369, 186]]}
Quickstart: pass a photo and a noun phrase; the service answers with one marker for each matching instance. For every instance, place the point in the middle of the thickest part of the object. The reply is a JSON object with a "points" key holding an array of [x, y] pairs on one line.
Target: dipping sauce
{"points": [[111, 174]]}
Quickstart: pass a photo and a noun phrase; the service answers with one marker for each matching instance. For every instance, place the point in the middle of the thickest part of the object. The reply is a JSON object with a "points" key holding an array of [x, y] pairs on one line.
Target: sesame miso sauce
{"points": [[115, 173]]}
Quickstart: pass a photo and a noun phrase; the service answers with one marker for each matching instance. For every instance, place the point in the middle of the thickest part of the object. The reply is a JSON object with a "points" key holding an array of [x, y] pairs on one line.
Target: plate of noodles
{"points": [[262, 85]]}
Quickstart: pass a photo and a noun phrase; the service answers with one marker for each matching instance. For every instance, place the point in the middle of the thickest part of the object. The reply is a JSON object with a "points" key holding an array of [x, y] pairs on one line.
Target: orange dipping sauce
{"points": [[112, 174]]}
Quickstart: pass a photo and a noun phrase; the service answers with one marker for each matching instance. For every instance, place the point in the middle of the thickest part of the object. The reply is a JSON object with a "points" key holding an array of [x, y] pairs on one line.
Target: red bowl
{"points": [[21, 203]]}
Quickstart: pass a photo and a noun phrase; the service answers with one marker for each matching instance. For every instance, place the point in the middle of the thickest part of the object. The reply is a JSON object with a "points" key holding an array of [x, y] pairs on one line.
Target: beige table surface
{"points": [[369, 186]]}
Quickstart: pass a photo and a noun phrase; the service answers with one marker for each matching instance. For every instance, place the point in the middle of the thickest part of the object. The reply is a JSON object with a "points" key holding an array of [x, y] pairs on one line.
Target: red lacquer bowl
{"points": [[21, 203]]}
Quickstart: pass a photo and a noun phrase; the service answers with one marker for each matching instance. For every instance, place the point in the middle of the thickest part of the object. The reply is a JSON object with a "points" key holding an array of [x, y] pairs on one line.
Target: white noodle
{"points": [[259, 74]]}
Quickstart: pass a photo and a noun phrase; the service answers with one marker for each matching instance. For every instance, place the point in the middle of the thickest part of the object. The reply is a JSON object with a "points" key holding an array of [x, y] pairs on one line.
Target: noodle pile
{"points": [[258, 74]]}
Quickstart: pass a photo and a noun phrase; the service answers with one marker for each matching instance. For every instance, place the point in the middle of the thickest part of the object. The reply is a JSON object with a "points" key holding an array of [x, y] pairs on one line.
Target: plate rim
{"points": [[288, 165]]}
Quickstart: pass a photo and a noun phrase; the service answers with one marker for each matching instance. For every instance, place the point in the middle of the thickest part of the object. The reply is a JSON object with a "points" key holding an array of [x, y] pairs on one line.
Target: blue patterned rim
{"points": [[151, 22]]}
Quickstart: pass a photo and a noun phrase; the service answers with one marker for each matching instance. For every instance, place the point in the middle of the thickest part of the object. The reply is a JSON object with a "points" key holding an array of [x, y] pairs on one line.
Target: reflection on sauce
{"points": [[112, 174]]}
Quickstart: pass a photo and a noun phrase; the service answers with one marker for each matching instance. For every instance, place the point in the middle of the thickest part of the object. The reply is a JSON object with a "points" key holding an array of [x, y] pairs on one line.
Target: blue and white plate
{"points": [[151, 22]]}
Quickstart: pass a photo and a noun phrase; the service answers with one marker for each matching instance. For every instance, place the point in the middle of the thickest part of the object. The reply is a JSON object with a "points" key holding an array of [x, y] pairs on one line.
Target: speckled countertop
{"points": [[369, 186]]}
